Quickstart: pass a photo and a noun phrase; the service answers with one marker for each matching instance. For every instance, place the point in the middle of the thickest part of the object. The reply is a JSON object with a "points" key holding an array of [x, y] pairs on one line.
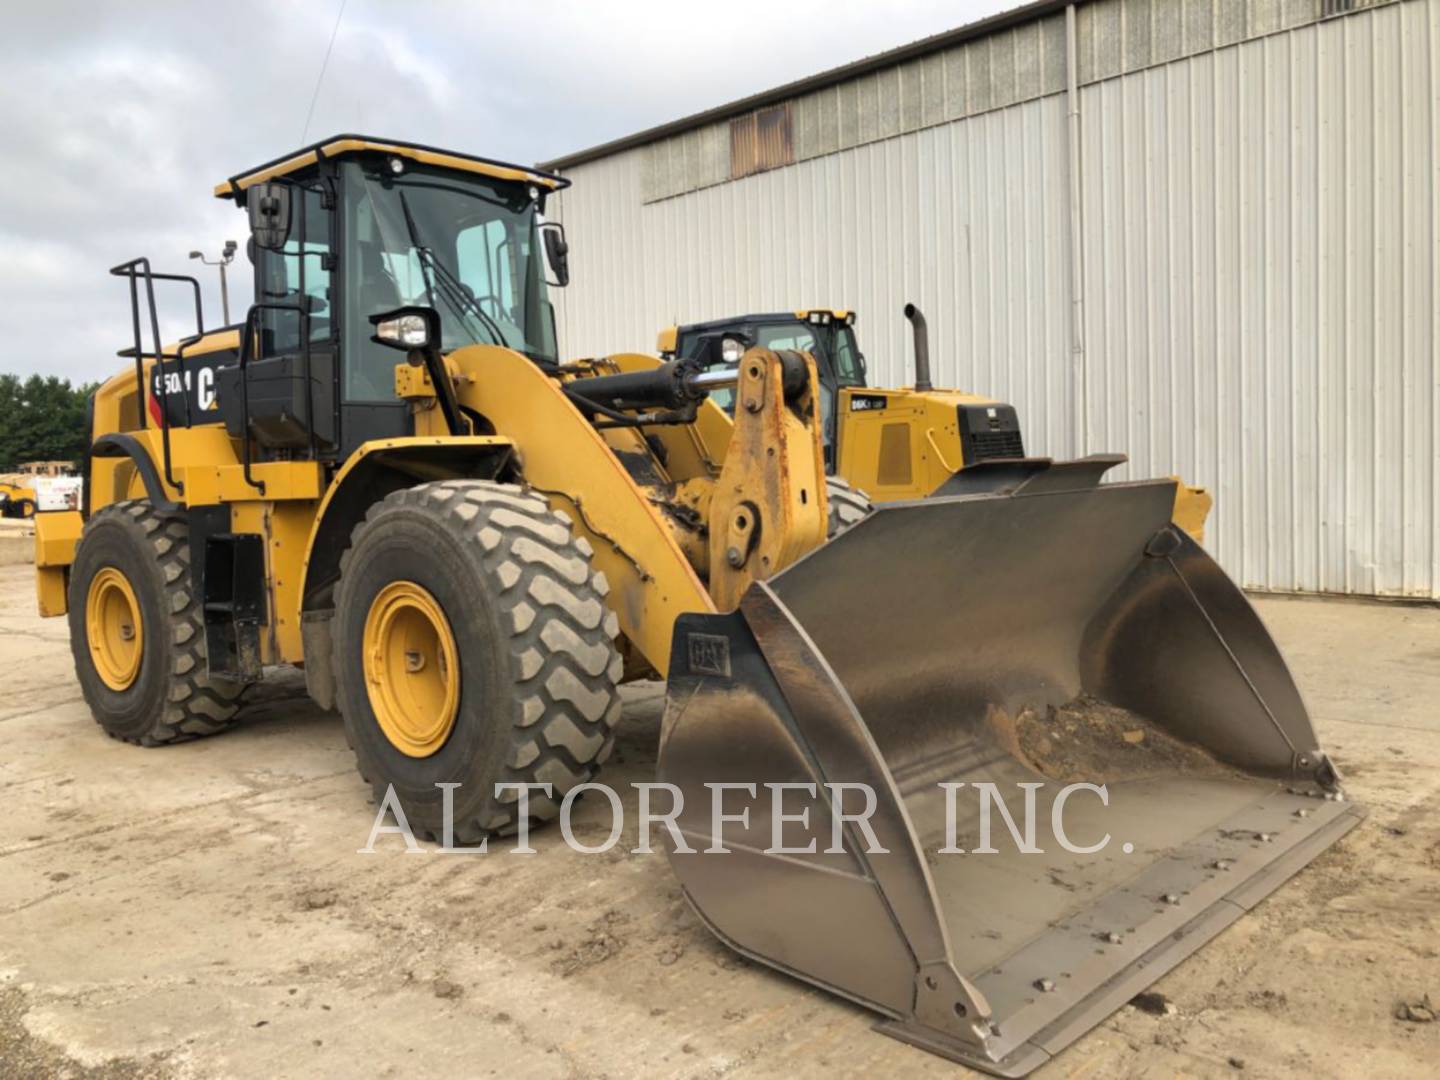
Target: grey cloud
{"points": [[117, 118]]}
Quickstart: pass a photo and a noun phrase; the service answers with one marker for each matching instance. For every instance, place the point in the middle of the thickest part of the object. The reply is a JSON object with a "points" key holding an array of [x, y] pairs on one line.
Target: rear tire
{"points": [[25, 508], [140, 559], [524, 616], [848, 506]]}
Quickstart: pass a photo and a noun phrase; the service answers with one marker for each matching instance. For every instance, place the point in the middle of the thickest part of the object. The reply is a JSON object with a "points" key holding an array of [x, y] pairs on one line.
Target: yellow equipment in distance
{"points": [[889, 443], [16, 500]]}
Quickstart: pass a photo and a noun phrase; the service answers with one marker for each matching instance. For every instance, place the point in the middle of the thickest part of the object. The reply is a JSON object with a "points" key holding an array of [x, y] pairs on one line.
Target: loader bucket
{"points": [[1044, 631]]}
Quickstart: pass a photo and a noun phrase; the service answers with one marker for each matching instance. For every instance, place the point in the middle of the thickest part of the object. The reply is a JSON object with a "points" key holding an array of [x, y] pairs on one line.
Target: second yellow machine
{"points": [[387, 476], [883, 443]]}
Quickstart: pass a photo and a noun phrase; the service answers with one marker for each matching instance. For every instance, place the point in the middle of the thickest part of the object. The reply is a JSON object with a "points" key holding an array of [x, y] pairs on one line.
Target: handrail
{"points": [[135, 270], [252, 327], [304, 305], [940, 454], [139, 359], [164, 401]]}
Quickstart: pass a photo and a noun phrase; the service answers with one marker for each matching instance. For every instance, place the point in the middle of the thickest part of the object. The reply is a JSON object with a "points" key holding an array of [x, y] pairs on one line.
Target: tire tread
{"points": [[848, 506], [194, 705], [560, 637]]}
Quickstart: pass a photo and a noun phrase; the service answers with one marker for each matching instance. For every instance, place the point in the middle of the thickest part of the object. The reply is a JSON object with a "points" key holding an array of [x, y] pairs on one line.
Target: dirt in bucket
{"points": [[1088, 739]]}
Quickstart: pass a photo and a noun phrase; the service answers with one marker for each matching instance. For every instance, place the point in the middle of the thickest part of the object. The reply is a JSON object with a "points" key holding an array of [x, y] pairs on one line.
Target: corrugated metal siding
{"points": [[1006, 67], [1260, 248], [1261, 234], [966, 220]]}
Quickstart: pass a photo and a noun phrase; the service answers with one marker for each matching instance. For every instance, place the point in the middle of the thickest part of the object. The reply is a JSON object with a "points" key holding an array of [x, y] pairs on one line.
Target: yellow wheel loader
{"points": [[884, 444], [387, 476], [17, 500]]}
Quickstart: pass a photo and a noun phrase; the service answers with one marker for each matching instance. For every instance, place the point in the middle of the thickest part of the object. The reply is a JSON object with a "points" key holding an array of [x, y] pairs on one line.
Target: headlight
{"points": [[404, 331], [731, 349], [410, 328]]}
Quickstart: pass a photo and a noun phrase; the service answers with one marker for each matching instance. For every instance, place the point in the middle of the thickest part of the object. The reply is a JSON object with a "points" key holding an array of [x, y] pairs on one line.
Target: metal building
{"points": [[1201, 232]]}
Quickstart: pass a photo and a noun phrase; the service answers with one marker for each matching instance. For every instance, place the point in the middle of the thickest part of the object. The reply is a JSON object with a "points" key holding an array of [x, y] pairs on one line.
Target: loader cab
{"points": [[828, 335], [356, 227]]}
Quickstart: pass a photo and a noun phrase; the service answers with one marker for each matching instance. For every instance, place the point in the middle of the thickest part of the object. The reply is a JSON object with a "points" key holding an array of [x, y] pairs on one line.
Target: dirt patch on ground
{"points": [[1091, 740], [604, 938], [23, 1056]]}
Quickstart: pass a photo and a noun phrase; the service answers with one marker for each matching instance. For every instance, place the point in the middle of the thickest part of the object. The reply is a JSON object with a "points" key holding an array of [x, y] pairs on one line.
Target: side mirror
{"points": [[720, 348], [407, 328], [557, 252], [269, 206]]}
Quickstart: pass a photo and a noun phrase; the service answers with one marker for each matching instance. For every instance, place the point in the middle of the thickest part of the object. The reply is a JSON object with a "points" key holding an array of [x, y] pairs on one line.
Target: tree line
{"points": [[42, 418]]}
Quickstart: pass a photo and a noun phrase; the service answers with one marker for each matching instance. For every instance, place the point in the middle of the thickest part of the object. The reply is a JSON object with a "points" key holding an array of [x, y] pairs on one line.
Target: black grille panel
{"points": [[989, 432], [997, 444]]}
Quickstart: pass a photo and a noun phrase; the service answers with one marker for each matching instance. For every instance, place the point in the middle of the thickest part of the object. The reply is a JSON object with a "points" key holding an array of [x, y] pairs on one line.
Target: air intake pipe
{"points": [[922, 348]]}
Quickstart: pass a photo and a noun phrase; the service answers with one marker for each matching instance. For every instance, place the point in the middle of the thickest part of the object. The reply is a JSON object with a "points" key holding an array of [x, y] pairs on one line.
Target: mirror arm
{"points": [[455, 420]]}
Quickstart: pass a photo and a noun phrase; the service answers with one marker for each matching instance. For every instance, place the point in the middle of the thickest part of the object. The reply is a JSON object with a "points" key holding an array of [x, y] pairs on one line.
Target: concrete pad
{"points": [[202, 910], [17, 546]]}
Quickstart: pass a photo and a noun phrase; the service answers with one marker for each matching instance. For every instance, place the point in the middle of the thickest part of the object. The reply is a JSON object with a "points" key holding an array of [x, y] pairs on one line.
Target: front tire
{"points": [[848, 506], [473, 647], [136, 632]]}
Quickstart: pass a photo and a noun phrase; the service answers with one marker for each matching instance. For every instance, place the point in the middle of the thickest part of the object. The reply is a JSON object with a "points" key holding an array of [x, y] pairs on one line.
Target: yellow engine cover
{"points": [[899, 444]]}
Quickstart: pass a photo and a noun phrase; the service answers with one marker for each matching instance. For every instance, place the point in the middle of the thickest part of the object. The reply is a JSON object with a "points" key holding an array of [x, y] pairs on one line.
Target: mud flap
{"points": [[1055, 633]]}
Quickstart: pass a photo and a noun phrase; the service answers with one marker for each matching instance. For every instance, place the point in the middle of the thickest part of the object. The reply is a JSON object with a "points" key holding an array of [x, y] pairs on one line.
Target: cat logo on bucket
{"points": [[709, 655]]}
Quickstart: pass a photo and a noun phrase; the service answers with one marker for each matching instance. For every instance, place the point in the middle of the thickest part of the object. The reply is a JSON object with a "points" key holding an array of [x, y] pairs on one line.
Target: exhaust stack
{"points": [[922, 348]]}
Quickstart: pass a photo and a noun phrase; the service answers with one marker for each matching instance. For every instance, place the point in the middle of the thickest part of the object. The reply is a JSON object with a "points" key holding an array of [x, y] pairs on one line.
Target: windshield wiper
{"points": [[461, 300], [453, 289], [415, 243]]}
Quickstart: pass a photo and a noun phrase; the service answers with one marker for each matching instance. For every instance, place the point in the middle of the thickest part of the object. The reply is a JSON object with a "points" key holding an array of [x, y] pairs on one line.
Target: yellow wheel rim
{"points": [[412, 672], [114, 629]]}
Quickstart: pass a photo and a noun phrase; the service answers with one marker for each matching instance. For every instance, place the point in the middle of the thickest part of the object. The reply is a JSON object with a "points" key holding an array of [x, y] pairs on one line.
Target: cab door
{"points": [[287, 401]]}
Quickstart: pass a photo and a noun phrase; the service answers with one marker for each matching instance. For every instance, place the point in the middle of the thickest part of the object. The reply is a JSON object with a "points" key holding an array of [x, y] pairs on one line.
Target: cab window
{"points": [[849, 364], [483, 253], [790, 336], [463, 245], [278, 280]]}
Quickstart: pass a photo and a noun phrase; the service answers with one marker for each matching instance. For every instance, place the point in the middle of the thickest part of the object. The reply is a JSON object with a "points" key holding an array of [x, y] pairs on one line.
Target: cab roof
{"points": [[769, 318], [340, 145]]}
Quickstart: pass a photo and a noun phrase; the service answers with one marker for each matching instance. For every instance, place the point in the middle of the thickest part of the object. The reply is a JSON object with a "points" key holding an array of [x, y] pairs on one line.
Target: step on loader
{"points": [[386, 475]]}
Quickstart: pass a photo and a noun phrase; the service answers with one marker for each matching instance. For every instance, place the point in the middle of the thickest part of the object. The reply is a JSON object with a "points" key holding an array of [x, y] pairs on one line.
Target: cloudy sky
{"points": [[117, 118]]}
